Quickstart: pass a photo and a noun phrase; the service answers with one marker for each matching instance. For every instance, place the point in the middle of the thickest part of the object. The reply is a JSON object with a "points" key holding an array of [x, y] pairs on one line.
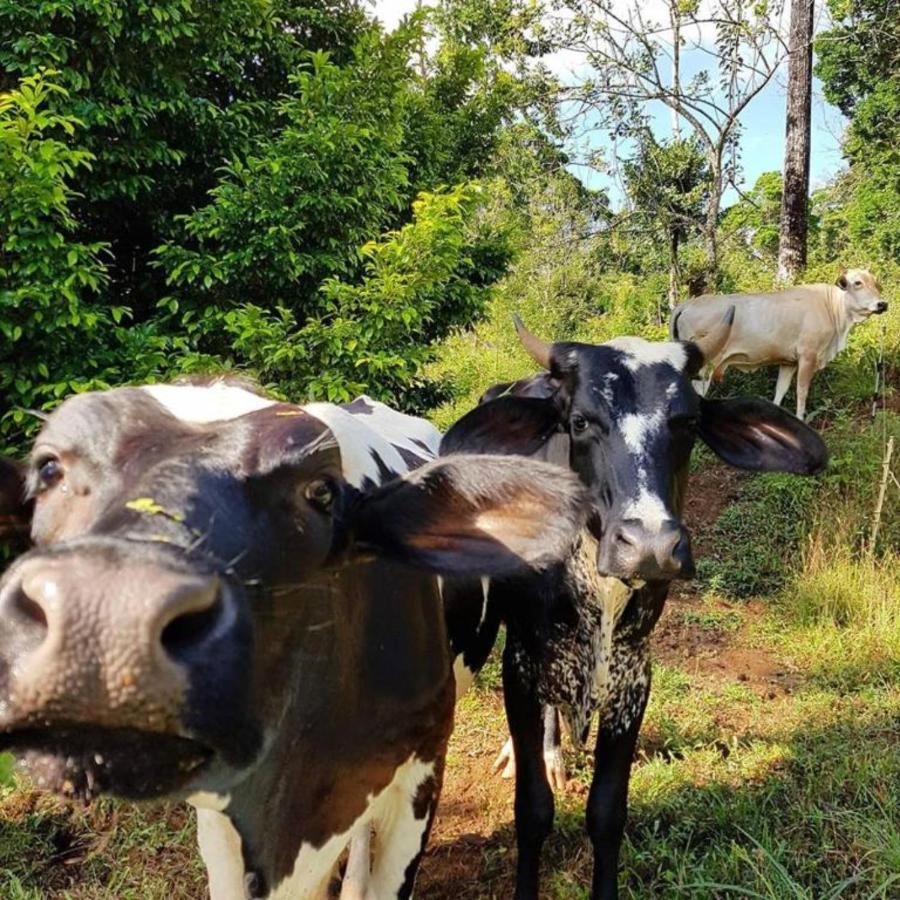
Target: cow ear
{"points": [[751, 433], [472, 515], [516, 425], [15, 511], [842, 280]]}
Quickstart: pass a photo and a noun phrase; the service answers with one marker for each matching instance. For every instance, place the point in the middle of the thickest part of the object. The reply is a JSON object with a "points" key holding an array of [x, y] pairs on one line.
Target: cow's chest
{"points": [[579, 659]]}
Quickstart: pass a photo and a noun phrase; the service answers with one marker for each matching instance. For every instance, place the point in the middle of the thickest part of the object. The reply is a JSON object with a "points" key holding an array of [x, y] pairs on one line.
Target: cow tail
{"points": [[673, 328]]}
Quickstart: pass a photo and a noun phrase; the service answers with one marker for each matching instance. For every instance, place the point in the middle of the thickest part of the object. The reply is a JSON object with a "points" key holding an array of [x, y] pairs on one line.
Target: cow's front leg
{"points": [[402, 826], [534, 799], [607, 807], [785, 377], [220, 849]]}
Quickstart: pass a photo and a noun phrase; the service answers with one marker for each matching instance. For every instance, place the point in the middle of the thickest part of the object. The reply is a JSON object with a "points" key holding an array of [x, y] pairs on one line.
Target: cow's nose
{"points": [[881, 307], [659, 554], [173, 613], [112, 644]]}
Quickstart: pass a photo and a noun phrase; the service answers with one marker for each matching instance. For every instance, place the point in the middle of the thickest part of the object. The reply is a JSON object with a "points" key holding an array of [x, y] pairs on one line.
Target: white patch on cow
{"points": [[463, 674], [356, 440], [399, 833], [409, 432], [485, 590], [201, 404], [649, 508], [209, 800], [220, 848], [398, 839], [639, 353], [358, 874], [636, 427]]}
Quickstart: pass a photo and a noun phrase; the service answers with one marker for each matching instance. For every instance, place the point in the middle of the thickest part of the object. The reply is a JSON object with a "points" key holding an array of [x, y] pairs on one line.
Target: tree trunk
{"points": [[674, 271], [713, 205], [795, 190]]}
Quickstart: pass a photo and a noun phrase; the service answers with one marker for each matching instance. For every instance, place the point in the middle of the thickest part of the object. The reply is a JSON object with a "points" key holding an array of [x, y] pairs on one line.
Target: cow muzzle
{"points": [[631, 551], [97, 651], [880, 307]]}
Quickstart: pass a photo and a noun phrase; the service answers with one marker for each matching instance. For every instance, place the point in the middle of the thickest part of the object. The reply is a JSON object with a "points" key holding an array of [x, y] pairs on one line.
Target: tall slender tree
{"points": [[795, 193]]}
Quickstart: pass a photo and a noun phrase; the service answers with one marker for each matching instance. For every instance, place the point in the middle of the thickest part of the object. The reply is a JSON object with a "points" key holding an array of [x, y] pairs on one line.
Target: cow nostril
{"points": [[31, 610], [195, 612], [189, 630]]}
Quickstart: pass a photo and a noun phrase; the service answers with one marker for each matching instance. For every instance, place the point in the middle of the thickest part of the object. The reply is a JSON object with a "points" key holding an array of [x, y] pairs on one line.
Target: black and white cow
{"points": [[624, 416], [233, 600]]}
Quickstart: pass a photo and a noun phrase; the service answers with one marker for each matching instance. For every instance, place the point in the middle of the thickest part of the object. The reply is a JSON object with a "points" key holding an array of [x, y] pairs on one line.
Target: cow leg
{"points": [[402, 828], [554, 762], [220, 849], [355, 885], [607, 807], [806, 368], [534, 799], [785, 377]]}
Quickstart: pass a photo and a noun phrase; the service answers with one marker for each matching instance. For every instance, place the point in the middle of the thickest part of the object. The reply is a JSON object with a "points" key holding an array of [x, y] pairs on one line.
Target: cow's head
{"points": [[862, 294], [148, 640], [625, 416]]}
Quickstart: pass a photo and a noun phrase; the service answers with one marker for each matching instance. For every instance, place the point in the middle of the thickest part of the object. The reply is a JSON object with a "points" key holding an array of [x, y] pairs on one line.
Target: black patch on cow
{"points": [[411, 459], [359, 407]]}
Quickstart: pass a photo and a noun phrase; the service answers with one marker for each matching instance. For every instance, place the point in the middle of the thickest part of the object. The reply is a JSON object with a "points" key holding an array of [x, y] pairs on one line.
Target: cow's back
{"points": [[768, 328]]}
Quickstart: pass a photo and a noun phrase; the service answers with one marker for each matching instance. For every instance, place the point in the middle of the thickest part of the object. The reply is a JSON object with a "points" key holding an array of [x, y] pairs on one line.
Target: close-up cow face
{"points": [[626, 416], [192, 549], [862, 294]]}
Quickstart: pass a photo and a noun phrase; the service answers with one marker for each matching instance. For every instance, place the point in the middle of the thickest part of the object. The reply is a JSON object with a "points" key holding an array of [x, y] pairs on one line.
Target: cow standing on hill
{"points": [[226, 603], [800, 329], [624, 417]]}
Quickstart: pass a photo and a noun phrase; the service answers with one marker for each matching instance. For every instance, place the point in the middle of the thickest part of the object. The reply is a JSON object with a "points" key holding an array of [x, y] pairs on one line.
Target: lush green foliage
{"points": [[210, 175]]}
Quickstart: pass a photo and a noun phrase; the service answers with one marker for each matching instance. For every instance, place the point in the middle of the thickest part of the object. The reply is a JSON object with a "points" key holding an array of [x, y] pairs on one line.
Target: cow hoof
{"points": [[555, 766], [505, 763]]}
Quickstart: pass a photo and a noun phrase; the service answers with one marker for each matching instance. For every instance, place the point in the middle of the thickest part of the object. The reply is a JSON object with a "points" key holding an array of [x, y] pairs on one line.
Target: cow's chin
{"points": [[82, 762]]}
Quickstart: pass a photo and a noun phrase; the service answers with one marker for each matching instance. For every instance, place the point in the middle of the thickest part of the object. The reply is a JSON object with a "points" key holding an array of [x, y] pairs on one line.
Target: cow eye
{"points": [[50, 472], [857, 284], [579, 424], [320, 493]]}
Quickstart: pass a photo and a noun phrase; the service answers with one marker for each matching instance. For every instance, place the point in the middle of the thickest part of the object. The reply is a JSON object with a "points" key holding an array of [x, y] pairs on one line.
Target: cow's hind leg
{"points": [[805, 371], [607, 807], [785, 377], [402, 826], [554, 761], [534, 799]]}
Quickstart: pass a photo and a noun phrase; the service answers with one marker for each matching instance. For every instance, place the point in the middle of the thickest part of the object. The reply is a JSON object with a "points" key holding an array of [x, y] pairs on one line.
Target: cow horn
{"points": [[538, 350], [713, 342]]}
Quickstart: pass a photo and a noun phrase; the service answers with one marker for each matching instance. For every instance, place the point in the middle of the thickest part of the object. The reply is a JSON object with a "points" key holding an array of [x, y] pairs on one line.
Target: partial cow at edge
{"points": [[800, 329], [237, 602]]}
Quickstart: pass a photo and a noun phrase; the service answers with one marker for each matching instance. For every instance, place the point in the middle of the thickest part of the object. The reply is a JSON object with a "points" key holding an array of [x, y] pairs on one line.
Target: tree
{"points": [[166, 92], [795, 194], [633, 61], [667, 184], [858, 68]]}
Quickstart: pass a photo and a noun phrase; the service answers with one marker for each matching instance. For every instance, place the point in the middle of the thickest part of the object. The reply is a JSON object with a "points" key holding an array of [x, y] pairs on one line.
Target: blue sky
{"points": [[762, 142]]}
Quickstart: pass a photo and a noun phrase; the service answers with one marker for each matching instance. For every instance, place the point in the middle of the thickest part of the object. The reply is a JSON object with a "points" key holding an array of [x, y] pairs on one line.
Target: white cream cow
{"points": [[800, 329]]}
